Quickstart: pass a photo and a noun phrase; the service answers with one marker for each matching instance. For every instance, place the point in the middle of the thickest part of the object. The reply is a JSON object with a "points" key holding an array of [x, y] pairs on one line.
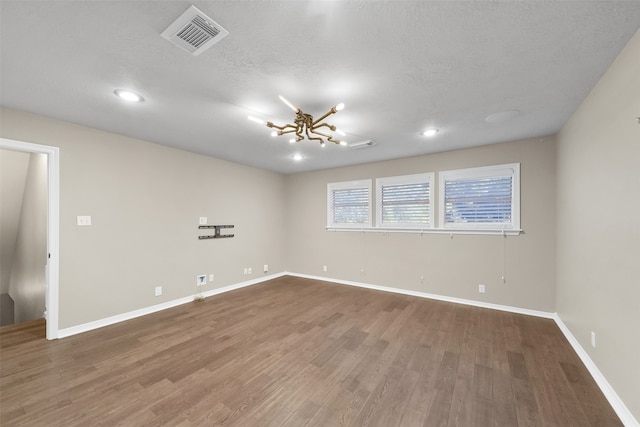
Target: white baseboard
{"points": [[537, 313], [617, 404], [85, 327], [614, 400]]}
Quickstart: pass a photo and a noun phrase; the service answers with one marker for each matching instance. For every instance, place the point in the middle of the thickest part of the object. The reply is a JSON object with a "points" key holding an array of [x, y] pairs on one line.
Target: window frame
{"points": [[428, 177], [349, 185], [506, 170]]}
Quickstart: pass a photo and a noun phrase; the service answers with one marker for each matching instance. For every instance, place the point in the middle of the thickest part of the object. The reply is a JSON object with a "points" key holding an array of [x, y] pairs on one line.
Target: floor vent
{"points": [[194, 31], [362, 144]]}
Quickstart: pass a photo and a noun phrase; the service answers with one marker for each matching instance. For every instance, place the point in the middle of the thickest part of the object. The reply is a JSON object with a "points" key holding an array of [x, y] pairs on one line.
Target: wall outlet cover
{"points": [[201, 280], [84, 220]]}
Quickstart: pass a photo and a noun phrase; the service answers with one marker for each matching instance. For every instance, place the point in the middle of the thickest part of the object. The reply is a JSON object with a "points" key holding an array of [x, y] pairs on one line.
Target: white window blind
{"points": [[404, 201], [349, 204], [487, 197]]}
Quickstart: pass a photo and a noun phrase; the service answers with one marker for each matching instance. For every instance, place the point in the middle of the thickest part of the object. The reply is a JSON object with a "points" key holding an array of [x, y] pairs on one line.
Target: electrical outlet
{"points": [[211, 277], [266, 268], [250, 270], [203, 220], [481, 289], [158, 291], [593, 339], [324, 268], [201, 280], [84, 220]]}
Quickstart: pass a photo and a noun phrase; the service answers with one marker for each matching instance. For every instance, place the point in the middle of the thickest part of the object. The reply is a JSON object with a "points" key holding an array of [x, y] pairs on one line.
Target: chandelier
{"points": [[305, 126]]}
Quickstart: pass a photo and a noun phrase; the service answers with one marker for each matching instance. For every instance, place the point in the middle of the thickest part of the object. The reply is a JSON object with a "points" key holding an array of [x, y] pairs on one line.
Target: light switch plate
{"points": [[203, 220]]}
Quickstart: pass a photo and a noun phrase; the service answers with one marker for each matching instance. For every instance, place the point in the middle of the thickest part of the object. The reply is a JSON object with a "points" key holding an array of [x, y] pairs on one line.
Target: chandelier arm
{"points": [[313, 138], [333, 128], [271, 125], [327, 114], [319, 133]]}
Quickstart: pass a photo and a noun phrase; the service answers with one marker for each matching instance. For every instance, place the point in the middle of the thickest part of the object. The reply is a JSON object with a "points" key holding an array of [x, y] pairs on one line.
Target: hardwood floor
{"points": [[299, 352]]}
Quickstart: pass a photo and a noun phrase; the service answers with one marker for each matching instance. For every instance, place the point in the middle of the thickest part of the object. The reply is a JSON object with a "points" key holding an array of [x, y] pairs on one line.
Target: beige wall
{"points": [[13, 175], [145, 201], [450, 267], [28, 273], [598, 226]]}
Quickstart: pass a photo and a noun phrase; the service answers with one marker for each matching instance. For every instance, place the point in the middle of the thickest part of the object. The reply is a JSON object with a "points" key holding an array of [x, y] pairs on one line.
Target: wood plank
{"points": [[295, 352]]}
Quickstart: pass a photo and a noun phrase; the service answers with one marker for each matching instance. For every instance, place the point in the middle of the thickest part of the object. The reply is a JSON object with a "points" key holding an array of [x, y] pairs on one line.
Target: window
{"points": [[404, 201], [480, 198], [349, 204]]}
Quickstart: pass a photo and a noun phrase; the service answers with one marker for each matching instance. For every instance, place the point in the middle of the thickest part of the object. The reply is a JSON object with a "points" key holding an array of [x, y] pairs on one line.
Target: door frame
{"points": [[53, 226]]}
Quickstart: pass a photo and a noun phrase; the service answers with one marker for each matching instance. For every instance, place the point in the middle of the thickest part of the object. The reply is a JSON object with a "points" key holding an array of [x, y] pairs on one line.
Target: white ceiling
{"points": [[399, 66]]}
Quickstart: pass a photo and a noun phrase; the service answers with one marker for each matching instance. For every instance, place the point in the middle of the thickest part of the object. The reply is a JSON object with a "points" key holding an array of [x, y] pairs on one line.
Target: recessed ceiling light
{"points": [[297, 157], [430, 132], [128, 95]]}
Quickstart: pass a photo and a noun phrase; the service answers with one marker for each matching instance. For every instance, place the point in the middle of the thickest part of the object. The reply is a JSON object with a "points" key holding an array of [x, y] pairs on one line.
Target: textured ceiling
{"points": [[399, 66]]}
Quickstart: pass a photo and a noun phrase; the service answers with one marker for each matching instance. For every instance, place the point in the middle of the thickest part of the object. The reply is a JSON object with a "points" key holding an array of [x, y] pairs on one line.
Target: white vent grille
{"points": [[194, 31], [362, 144]]}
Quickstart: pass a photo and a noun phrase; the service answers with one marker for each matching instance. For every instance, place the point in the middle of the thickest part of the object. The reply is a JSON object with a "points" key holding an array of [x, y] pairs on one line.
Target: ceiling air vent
{"points": [[194, 31], [362, 144]]}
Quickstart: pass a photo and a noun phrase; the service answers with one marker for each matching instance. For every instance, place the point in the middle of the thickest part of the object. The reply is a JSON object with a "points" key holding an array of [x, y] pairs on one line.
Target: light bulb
{"points": [[255, 119], [292, 140], [340, 106], [344, 143], [290, 105], [297, 157], [430, 132], [274, 133]]}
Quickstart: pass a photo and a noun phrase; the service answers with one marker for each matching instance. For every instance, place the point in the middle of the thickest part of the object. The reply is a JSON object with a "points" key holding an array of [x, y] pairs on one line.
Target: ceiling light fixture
{"points": [[305, 125], [430, 132], [128, 95]]}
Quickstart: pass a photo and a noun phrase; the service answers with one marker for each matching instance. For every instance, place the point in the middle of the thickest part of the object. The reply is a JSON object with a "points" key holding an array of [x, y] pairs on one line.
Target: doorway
{"points": [[52, 160]]}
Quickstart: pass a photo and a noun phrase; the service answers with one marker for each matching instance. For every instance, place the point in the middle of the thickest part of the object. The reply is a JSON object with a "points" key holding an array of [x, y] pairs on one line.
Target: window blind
{"points": [[350, 206], [406, 203], [485, 200]]}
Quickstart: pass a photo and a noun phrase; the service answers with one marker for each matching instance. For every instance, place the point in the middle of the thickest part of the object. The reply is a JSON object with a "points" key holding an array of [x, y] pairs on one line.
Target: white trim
{"points": [[85, 327], [53, 226], [616, 403], [450, 231], [518, 310]]}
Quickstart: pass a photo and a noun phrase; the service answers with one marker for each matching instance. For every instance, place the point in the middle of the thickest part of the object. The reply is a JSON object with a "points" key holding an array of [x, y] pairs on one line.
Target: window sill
{"points": [[450, 231]]}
